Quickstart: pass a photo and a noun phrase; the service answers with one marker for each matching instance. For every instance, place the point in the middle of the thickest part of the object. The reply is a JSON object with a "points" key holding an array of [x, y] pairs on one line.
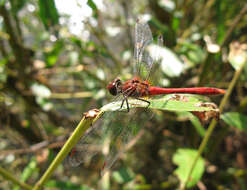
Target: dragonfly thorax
{"points": [[135, 88]]}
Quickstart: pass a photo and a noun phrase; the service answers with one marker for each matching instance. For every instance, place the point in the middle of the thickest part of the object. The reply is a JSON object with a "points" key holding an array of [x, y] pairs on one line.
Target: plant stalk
{"points": [[81, 128], [213, 124], [9, 177]]}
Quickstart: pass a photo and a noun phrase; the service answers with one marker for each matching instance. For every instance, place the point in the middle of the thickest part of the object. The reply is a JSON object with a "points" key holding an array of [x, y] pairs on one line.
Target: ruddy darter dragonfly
{"points": [[138, 87]]}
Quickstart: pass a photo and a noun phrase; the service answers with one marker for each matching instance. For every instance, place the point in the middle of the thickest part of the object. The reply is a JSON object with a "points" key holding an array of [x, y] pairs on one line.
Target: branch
{"points": [[213, 123], [9, 177], [234, 24], [89, 118]]}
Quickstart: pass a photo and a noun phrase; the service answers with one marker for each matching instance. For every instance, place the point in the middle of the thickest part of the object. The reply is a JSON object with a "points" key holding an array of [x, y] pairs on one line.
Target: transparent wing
{"points": [[108, 138], [93, 142], [117, 128], [155, 51], [131, 127], [146, 54], [143, 38], [88, 146]]}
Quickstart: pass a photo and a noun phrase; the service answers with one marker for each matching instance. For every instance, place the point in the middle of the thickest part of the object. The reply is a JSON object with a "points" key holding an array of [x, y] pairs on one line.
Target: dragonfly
{"points": [[138, 88]]}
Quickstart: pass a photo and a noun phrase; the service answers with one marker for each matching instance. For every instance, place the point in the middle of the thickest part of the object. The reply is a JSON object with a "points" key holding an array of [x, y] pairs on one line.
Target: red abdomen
{"points": [[197, 90]]}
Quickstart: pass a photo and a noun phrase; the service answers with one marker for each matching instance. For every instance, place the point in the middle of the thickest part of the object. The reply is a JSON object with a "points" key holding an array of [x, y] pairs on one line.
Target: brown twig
{"points": [[234, 24], [16, 181], [104, 45], [34, 148], [204, 67], [213, 123]]}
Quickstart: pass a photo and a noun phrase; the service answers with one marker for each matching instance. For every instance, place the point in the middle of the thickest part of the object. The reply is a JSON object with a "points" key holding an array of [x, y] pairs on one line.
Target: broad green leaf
{"points": [[221, 7], [235, 119], [238, 55], [122, 176], [184, 158], [76, 41], [48, 13], [40, 90], [73, 57], [165, 30], [3, 73], [28, 172], [2, 2], [175, 22], [51, 60], [197, 124], [193, 52], [65, 185], [105, 182], [93, 6], [194, 120], [163, 103], [170, 63], [160, 26], [52, 55], [170, 7], [17, 5]]}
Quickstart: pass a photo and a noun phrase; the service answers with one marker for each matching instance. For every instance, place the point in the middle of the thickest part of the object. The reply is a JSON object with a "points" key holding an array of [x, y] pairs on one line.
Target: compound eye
{"points": [[113, 87], [113, 90]]}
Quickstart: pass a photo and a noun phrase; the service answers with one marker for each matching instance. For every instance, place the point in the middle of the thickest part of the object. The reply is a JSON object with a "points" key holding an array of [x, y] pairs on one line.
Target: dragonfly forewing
{"points": [[130, 126], [143, 37], [146, 52], [118, 127], [109, 138]]}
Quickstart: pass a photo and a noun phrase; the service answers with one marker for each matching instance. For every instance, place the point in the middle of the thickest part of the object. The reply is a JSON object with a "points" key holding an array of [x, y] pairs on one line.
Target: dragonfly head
{"points": [[115, 87]]}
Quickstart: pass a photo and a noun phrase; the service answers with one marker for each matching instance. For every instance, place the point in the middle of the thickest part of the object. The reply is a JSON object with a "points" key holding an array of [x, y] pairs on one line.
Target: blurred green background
{"points": [[57, 57]]}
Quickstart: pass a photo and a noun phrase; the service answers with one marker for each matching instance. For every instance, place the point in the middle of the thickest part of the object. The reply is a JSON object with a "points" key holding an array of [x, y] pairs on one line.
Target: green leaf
{"points": [[175, 23], [193, 52], [73, 57], [76, 41], [164, 29], [238, 55], [122, 176], [198, 126], [170, 63], [48, 13], [93, 6], [65, 185], [28, 171], [2, 2], [17, 5], [52, 55], [194, 120], [105, 182], [235, 119], [163, 103], [221, 7], [184, 158]]}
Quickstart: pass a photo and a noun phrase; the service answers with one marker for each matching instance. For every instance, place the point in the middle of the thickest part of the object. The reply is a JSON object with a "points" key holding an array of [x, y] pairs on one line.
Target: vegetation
{"points": [[56, 61]]}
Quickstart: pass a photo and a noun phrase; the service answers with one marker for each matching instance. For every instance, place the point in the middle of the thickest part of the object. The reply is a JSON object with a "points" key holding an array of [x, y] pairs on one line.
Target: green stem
{"points": [[213, 124], [9, 177], [234, 24], [81, 128]]}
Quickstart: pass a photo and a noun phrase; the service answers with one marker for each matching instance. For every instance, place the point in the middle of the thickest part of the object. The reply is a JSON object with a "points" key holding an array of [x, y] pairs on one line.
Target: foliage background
{"points": [[54, 67]]}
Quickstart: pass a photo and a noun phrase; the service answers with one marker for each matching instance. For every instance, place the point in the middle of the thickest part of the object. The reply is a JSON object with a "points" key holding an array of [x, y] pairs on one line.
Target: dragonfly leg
{"points": [[122, 103], [144, 101], [127, 104]]}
